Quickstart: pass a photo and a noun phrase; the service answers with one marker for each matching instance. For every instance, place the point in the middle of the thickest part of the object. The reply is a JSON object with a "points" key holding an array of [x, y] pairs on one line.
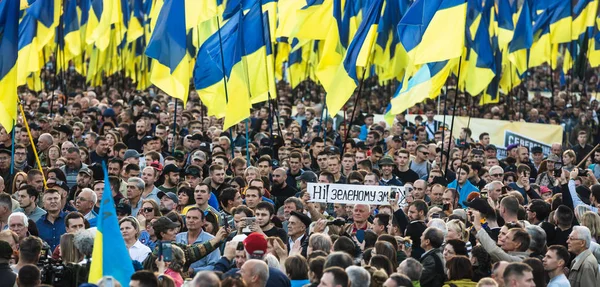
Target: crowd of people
{"points": [[233, 208]]}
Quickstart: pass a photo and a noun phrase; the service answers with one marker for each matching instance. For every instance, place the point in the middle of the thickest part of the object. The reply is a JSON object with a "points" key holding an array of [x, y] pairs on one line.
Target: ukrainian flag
{"points": [[314, 20], [110, 256], [481, 64], [9, 21], [69, 38], [522, 40], [357, 57], [594, 50], [427, 82], [541, 49], [168, 49], [584, 15], [561, 22], [428, 23], [332, 53], [388, 52], [491, 95], [506, 25]]}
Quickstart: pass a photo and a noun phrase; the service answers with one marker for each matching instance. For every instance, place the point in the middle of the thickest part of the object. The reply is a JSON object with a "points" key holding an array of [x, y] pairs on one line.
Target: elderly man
{"points": [[360, 216], [255, 273], [44, 143], [494, 190], [584, 267], [73, 166], [85, 202], [17, 222], [135, 187], [433, 268]]}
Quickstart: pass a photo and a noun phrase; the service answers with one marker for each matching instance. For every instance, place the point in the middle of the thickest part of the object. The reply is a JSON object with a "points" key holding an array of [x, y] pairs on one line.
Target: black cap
{"points": [[57, 183], [369, 116], [170, 168], [196, 137], [3, 150], [193, 170], [361, 145], [397, 138], [491, 147], [477, 151], [303, 217], [308, 176], [386, 160], [146, 139], [123, 208], [537, 149], [65, 129], [297, 142], [265, 142], [481, 205], [333, 150], [171, 195], [179, 155], [164, 223]]}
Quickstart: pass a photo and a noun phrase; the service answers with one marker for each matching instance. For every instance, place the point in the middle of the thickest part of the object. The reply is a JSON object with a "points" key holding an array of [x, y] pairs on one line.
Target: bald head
{"points": [[279, 177]]}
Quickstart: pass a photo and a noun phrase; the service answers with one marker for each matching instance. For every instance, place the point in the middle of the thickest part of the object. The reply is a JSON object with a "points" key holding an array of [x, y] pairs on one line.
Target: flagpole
{"points": [[174, 128], [35, 153], [12, 151], [453, 116], [267, 42], [247, 143]]}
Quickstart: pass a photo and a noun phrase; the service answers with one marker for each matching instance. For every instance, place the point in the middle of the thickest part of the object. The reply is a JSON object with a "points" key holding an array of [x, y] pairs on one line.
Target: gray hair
{"points": [[580, 210], [23, 218], [271, 261], [538, 238], [496, 167], [139, 183], [439, 224], [94, 195], [412, 268], [359, 276], [206, 279], [319, 241], [584, 233], [259, 269]]}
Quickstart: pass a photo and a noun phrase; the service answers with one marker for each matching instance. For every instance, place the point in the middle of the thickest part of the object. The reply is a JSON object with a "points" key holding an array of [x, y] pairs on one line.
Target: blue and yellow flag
{"points": [[481, 68], [357, 58], [110, 256], [522, 39], [168, 49], [584, 16], [428, 23], [9, 21], [561, 22], [506, 25]]}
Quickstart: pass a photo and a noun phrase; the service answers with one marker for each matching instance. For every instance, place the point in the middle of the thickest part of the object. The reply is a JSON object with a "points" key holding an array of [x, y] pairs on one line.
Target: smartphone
{"points": [[249, 221], [360, 235], [446, 207], [393, 194], [165, 251]]}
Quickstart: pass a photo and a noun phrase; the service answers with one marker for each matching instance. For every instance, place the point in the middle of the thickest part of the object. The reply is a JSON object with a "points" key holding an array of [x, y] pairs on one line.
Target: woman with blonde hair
{"points": [[569, 159], [68, 252], [591, 220], [457, 230], [150, 209], [19, 178]]}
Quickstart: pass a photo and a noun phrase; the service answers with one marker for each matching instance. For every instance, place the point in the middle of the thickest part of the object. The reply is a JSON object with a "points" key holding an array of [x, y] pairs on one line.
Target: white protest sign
{"points": [[353, 194]]}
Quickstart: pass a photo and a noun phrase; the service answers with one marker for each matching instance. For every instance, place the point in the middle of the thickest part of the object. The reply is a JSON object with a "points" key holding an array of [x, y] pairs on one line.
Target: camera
{"points": [[582, 172]]}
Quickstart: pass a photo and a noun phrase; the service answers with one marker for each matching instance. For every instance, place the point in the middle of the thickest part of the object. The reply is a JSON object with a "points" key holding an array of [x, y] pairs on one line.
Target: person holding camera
{"points": [[595, 189]]}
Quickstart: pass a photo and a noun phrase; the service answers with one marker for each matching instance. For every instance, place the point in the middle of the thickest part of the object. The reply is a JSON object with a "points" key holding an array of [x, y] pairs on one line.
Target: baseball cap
{"points": [[255, 244], [131, 153], [491, 147], [193, 170], [146, 139], [397, 138], [553, 157], [537, 149], [123, 208], [64, 128], [171, 195], [179, 155], [163, 223], [386, 160], [170, 168], [86, 171], [481, 205], [308, 176], [58, 183], [512, 146], [3, 150]]}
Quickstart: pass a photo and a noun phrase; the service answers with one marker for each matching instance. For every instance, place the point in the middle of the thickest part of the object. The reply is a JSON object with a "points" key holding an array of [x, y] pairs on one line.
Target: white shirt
{"points": [[139, 251]]}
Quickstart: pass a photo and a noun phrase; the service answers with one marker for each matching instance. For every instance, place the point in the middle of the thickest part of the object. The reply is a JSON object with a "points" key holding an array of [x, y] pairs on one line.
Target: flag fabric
{"points": [[481, 68], [561, 22], [506, 25], [522, 39], [9, 21], [168, 49], [428, 23], [357, 58], [110, 256]]}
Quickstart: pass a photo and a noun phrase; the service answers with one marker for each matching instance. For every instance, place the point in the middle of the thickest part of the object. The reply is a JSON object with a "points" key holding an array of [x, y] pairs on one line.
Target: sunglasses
{"points": [[149, 209], [496, 175]]}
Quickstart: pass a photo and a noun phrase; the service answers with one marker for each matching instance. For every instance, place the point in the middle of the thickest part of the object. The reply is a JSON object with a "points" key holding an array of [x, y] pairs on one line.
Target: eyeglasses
{"points": [[424, 152], [81, 199], [572, 239], [496, 175]]}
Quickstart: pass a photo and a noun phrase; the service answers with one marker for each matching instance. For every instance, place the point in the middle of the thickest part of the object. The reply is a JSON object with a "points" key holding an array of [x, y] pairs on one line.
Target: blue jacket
{"points": [[463, 191]]}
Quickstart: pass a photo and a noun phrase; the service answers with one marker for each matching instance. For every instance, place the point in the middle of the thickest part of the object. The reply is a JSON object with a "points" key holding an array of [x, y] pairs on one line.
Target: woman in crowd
{"points": [[173, 269], [185, 196], [459, 273], [130, 230]]}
